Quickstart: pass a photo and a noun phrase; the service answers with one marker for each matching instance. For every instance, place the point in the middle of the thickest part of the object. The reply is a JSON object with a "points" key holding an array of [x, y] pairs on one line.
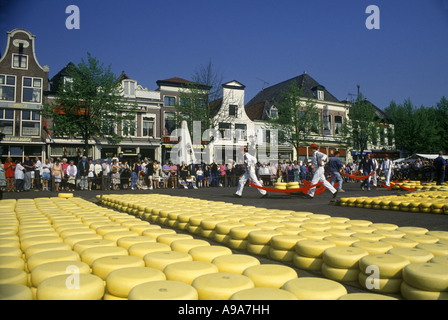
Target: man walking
{"points": [[335, 167], [387, 167], [249, 163], [317, 164], [440, 166], [367, 168]]}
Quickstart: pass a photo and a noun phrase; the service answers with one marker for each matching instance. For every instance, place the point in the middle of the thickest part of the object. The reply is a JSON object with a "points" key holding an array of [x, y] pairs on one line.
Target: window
{"points": [[327, 126], [320, 95], [30, 123], [129, 88], [222, 129], [7, 87], [148, 126], [233, 110], [7, 121], [240, 131], [170, 101], [19, 61], [273, 112], [32, 90], [338, 125], [129, 127], [170, 122]]}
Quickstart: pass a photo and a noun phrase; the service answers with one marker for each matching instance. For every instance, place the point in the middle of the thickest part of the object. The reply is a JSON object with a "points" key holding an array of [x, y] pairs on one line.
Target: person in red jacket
{"points": [[10, 167]]}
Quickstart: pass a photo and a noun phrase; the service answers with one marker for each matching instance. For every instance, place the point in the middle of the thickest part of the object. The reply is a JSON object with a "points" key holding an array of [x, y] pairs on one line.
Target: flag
{"points": [[47, 131]]}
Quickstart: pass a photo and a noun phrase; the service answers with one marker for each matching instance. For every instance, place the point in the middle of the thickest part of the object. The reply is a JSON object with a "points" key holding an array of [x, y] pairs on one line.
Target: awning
{"points": [[430, 156]]}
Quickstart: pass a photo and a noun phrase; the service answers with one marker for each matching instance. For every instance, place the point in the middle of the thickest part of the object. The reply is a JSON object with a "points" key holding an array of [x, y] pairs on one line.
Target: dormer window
{"points": [[19, 61], [233, 110], [129, 87], [273, 112], [320, 95]]}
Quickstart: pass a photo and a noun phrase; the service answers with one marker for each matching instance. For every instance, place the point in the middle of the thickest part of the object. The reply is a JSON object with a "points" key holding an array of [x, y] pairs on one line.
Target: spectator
{"points": [[83, 169], [97, 173], [367, 168], [166, 174], [440, 168], [303, 170], [46, 175], [2, 176], [19, 176], [115, 174], [156, 175], [296, 170], [214, 174], [106, 175], [200, 176], [125, 175], [91, 174], [174, 174], [149, 174], [29, 167], [57, 174], [136, 168], [64, 165], [206, 176], [37, 173], [222, 175], [10, 167], [72, 172]]}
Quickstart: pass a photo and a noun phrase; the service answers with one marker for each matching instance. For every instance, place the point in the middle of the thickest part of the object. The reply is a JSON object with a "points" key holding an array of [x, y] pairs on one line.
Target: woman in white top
{"points": [[72, 170], [97, 172], [90, 174]]}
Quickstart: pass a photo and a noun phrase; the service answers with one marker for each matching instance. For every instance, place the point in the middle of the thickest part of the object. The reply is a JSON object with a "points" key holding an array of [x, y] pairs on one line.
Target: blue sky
{"points": [[252, 41]]}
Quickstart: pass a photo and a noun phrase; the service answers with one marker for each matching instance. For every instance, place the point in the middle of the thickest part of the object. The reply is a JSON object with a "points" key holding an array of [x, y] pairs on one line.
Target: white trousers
{"points": [[387, 173], [319, 175], [249, 174]]}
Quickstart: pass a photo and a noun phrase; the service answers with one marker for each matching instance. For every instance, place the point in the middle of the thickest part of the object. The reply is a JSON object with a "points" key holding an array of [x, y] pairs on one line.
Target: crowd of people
{"points": [[146, 174]]}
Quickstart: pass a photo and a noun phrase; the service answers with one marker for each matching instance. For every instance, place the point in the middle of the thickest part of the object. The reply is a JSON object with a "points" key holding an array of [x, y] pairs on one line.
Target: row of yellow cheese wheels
{"points": [[286, 185], [418, 186], [285, 239], [71, 249], [428, 202]]}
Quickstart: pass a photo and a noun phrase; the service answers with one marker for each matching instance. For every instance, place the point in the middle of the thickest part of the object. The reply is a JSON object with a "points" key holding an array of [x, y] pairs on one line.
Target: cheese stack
{"points": [[425, 281], [309, 252], [342, 263]]}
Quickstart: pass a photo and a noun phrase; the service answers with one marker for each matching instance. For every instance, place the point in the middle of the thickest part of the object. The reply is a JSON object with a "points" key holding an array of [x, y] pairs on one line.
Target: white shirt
{"points": [[38, 166], [386, 165], [46, 168], [250, 160], [318, 159], [72, 170], [18, 173], [91, 170]]}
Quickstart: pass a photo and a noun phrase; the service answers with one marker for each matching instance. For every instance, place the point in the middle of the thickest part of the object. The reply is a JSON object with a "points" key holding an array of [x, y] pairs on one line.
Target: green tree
{"points": [[297, 120], [442, 123], [361, 126], [90, 105]]}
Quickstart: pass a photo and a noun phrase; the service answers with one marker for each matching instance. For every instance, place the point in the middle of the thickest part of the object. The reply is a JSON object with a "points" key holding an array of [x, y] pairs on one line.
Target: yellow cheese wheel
{"points": [[242, 233], [338, 274], [142, 249], [38, 234], [71, 287], [379, 285], [373, 247], [270, 275], [187, 271], [109, 297], [210, 223], [281, 255], [411, 293], [314, 235], [141, 228], [102, 267], [72, 240], [313, 248], [71, 232], [50, 256], [110, 228], [288, 229], [235, 263], [384, 226], [390, 233], [208, 253], [413, 255], [343, 257], [341, 240], [163, 290], [51, 269], [311, 288], [437, 249], [258, 249], [389, 265], [221, 285], [225, 227], [441, 235], [426, 276], [305, 263], [65, 195], [361, 229], [367, 236], [121, 281], [169, 238], [46, 247], [91, 254], [339, 232], [360, 223], [366, 296], [38, 240], [80, 246], [440, 259], [269, 225], [262, 236], [160, 259], [15, 292], [413, 230], [184, 245], [421, 238], [263, 294], [400, 242], [154, 233], [13, 276], [117, 235]]}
